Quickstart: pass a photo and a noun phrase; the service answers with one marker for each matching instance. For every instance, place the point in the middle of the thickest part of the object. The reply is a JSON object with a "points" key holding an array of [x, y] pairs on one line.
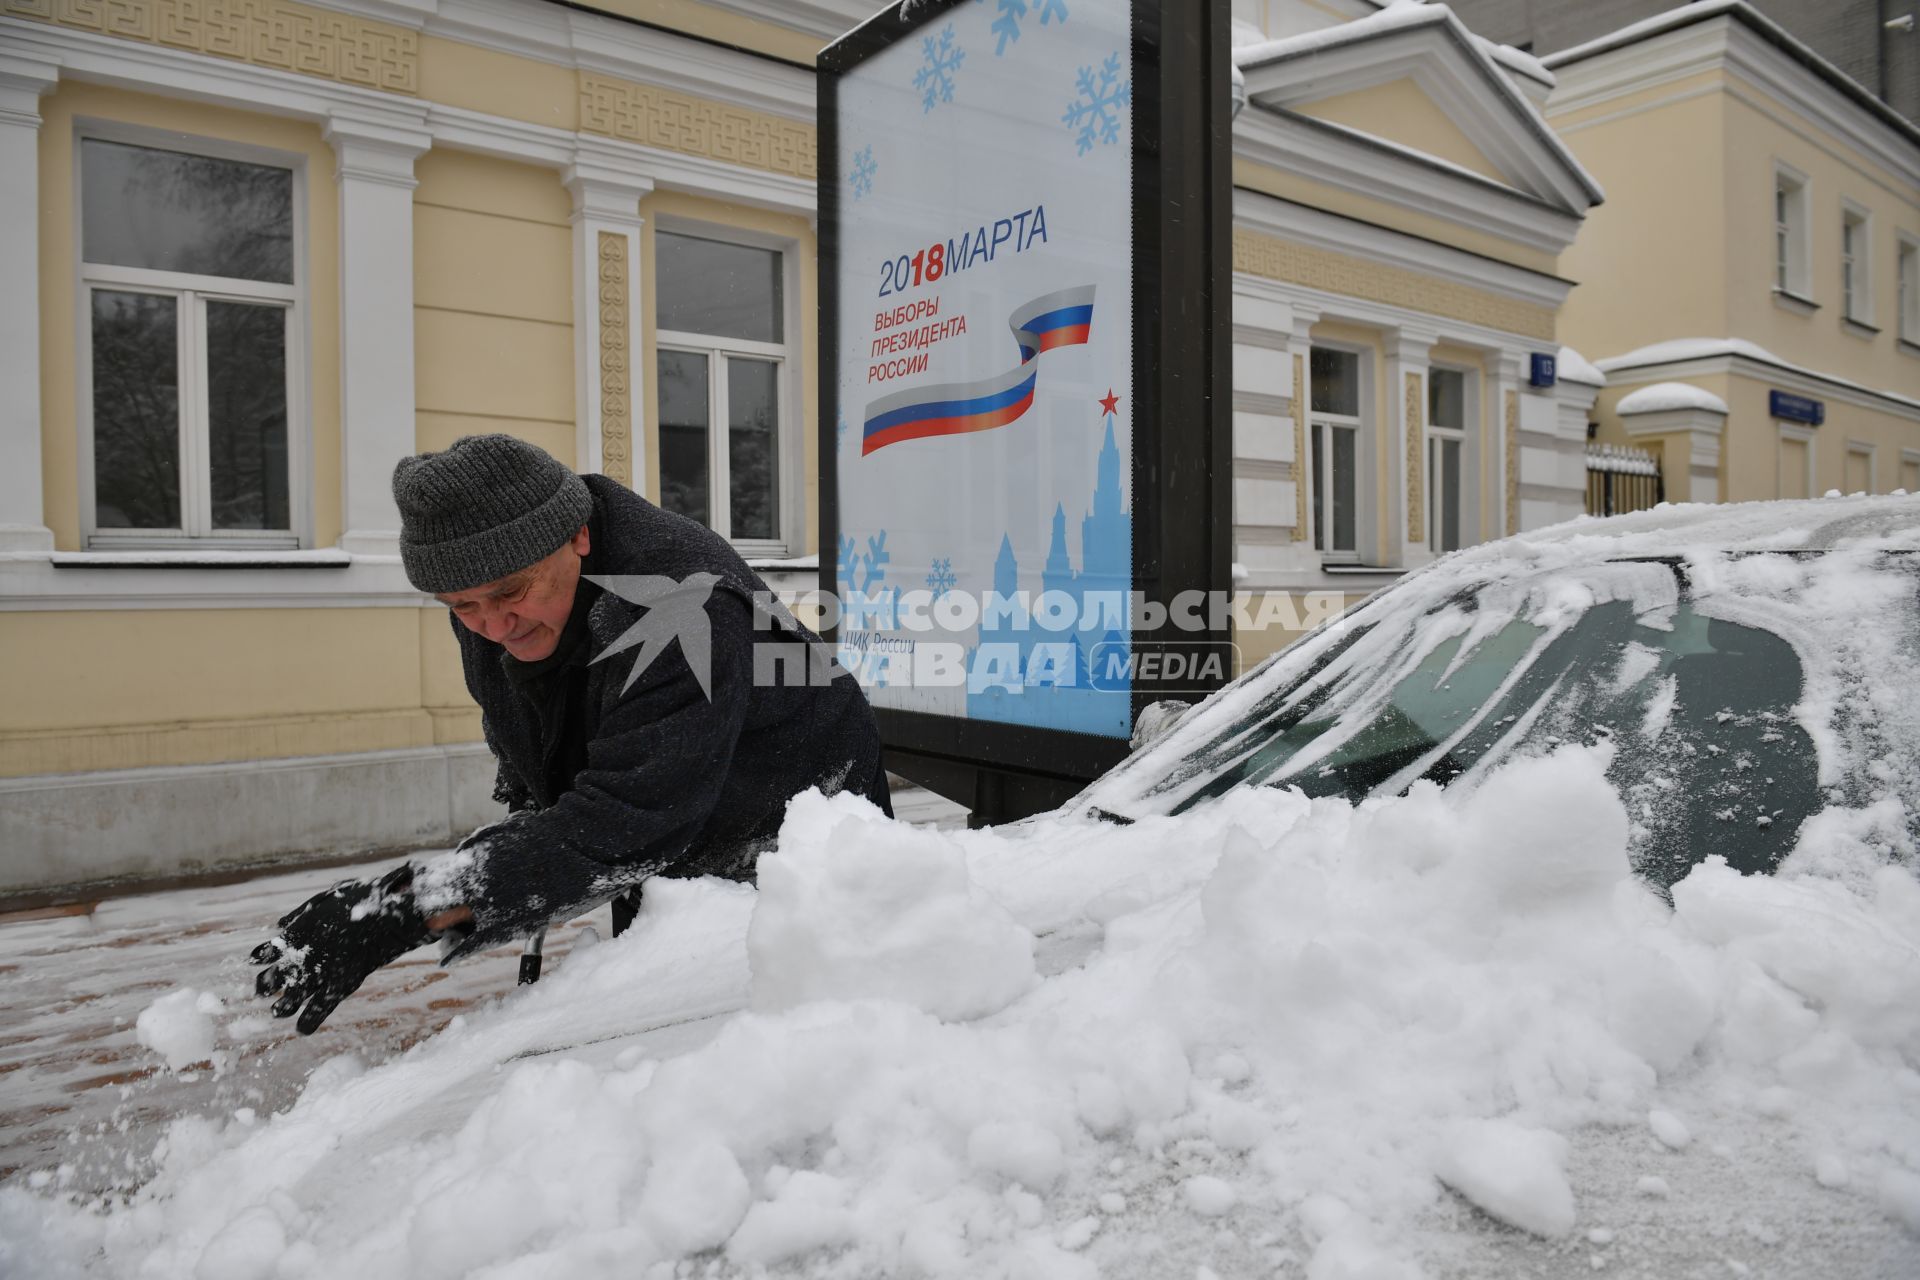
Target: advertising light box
{"points": [[982, 333]]}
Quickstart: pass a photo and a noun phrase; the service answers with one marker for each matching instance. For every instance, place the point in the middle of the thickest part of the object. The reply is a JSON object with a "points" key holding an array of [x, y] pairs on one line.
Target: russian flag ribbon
{"points": [[1056, 320]]}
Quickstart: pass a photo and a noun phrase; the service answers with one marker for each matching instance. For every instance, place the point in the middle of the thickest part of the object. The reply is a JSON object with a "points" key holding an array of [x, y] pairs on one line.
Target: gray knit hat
{"points": [[487, 507]]}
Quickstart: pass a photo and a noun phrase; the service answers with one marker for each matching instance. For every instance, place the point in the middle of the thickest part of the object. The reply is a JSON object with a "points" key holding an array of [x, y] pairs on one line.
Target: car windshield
{"points": [[1697, 711]]}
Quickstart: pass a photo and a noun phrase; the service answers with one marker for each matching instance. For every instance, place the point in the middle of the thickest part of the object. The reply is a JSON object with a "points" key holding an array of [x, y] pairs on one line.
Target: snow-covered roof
{"points": [[1702, 10], [1408, 16], [1574, 367], [1679, 350], [1662, 397]]}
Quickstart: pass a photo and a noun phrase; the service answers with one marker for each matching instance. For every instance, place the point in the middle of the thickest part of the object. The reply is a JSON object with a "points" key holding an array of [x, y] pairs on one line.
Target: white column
{"points": [[1408, 354], [22, 501], [607, 322], [1505, 439], [375, 175]]}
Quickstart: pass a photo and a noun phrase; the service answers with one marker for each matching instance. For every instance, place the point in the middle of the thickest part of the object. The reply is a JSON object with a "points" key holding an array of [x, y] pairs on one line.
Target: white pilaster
{"points": [[1690, 439], [22, 501], [1408, 352], [607, 337], [375, 177]]}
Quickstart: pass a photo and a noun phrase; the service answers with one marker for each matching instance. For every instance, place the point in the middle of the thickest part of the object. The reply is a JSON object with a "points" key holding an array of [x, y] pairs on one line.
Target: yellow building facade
{"points": [[372, 226], [1399, 212], [276, 245], [1757, 265]]}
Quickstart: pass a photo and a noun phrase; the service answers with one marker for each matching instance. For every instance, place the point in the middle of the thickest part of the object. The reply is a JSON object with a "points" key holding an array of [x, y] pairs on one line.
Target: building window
{"points": [[191, 304], [720, 309], [1856, 266], [1909, 280], [1335, 401], [1790, 234], [1447, 418], [1859, 477]]}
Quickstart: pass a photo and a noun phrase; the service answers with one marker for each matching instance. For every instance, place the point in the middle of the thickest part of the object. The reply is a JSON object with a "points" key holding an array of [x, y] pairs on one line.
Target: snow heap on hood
{"points": [[1443, 1033]]}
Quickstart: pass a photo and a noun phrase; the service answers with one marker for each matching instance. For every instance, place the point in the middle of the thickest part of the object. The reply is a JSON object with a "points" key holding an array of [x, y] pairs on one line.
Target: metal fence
{"points": [[1620, 479]]}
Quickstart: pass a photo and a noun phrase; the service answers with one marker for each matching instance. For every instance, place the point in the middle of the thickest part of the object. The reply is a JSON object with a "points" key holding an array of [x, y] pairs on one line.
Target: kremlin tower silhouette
{"points": [[1075, 678]]}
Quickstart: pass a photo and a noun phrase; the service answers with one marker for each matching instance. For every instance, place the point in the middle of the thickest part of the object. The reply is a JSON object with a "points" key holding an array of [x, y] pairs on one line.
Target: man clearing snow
{"points": [[622, 755]]}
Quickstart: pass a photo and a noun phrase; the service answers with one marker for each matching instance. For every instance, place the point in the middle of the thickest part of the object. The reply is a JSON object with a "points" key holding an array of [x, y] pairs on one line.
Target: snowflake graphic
{"points": [[1096, 112], [861, 179], [1007, 26], [847, 564], [840, 430], [876, 561], [935, 79], [942, 580]]}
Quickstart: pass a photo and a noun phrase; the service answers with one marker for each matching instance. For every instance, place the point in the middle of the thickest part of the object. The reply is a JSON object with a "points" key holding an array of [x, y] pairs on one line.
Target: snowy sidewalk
{"points": [[78, 1089]]}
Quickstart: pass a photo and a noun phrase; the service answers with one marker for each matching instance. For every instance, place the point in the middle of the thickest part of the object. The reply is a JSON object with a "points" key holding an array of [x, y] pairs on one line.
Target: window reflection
{"points": [[683, 434], [136, 410], [753, 414], [170, 211], [247, 415], [727, 290]]}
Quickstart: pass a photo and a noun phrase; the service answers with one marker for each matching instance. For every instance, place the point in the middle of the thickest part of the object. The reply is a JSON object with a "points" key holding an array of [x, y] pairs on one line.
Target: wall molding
{"points": [[673, 121], [616, 359], [1513, 461], [278, 34], [1363, 165], [1335, 233], [1785, 377], [1341, 275], [149, 68]]}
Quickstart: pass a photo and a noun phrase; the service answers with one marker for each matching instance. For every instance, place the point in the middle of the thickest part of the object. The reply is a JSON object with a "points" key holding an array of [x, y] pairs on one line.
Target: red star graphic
{"points": [[1111, 404]]}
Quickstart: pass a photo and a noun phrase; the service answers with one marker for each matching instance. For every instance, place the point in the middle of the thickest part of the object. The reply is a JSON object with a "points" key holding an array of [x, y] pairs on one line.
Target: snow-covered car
{"points": [[1745, 667], [1353, 1026]]}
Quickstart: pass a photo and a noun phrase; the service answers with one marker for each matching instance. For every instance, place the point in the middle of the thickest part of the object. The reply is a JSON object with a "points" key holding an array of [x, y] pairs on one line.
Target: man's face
{"points": [[525, 612]]}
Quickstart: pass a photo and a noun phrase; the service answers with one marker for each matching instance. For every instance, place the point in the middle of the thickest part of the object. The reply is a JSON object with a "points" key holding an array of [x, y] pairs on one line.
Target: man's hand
{"points": [[329, 944]]}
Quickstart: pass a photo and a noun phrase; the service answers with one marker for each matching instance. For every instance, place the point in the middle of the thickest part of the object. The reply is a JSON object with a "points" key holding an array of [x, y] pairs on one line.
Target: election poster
{"points": [[984, 409]]}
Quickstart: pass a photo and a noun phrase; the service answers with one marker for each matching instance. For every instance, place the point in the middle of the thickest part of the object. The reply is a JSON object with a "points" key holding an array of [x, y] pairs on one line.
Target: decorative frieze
{"points": [[1338, 273], [1416, 490], [675, 121], [616, 388], [1513, 462], [279, 34]]}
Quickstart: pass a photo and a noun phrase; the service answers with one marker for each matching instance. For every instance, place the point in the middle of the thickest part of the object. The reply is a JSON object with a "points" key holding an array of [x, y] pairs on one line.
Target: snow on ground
{"points": [[1441, 1034]]}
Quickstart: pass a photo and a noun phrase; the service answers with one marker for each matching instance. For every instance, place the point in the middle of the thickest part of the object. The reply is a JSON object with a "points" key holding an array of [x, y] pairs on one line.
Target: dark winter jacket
{"points": [[609, 786]]}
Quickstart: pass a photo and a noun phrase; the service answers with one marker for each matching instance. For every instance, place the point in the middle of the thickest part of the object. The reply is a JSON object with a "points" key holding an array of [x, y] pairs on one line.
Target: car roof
{"points": [[1806, 524]]}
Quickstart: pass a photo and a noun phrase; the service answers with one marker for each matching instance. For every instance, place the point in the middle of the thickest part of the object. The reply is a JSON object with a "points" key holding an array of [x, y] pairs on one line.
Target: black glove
{"points": [[329, 944]]}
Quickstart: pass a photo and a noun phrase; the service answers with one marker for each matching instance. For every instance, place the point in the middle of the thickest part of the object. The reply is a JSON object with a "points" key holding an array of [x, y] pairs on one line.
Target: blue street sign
{"points": [[1544, 372], [1792, 408]]}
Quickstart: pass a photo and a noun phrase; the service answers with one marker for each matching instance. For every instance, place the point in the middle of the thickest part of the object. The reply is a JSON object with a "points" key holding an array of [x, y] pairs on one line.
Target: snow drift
{"points": [[1418, 1036]]}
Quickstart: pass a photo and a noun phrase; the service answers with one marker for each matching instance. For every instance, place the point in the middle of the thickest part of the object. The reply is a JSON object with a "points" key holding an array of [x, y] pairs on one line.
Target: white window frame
{"points": [[1790, 233], [1856, 264], [1469, 458], [789, 533], [1320, 463], [1907, 293], [194, 292], [1908, 458]]}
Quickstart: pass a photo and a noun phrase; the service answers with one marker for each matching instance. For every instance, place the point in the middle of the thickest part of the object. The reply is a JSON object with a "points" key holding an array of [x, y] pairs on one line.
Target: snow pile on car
{"points": [[1428, 1035]]}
